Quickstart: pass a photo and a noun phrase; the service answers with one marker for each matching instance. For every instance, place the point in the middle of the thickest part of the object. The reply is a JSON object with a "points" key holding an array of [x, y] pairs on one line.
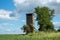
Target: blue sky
{"points": [[13, 14]]}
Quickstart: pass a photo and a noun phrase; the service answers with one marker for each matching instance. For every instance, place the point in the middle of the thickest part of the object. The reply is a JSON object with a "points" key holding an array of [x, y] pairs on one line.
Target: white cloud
{"points": [[8, 30], [19, 1], [29, 5], [32, 1], [58, 1], [56, 23], [2, 25], [5, 14], [7, 24], [56, 6], [23, 20], [26, 6]]}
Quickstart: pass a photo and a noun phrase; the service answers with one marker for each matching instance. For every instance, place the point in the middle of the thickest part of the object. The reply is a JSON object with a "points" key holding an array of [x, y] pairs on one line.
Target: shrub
{"points": [[28, 28]]}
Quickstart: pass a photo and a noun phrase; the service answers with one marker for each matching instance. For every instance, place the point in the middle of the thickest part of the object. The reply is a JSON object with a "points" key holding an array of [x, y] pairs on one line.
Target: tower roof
{"points": [[29, 14]]}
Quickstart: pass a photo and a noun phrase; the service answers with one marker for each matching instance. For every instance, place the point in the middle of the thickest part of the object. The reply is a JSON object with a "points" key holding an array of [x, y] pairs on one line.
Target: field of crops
{"points": [[32, 36]]}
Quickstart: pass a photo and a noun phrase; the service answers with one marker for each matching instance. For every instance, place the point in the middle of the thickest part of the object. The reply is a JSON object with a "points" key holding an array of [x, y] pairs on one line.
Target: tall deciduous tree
{"points": [[44, 17]]}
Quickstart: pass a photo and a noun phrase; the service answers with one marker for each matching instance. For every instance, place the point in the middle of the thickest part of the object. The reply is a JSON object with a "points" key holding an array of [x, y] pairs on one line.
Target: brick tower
{"points": [[29, 19]]}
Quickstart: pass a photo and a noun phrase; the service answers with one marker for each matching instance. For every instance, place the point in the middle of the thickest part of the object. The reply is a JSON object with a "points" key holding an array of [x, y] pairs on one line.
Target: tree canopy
{"points": [[44, 17]]}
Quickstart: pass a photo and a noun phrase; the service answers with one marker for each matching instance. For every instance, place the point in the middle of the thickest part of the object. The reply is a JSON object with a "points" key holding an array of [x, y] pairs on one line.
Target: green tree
{"points": [[44, 17]]}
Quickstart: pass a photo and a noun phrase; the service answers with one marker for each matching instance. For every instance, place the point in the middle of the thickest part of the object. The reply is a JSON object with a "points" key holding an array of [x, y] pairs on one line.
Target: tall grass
{"points": [[32, 36]]}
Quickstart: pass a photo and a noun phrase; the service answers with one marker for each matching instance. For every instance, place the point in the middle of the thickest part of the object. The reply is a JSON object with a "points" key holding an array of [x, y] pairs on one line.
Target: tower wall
{"points": [[29, 19]]}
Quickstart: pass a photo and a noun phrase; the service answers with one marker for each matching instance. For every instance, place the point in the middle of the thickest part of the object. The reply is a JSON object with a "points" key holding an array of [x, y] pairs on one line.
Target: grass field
{"points": [[32, 36]]}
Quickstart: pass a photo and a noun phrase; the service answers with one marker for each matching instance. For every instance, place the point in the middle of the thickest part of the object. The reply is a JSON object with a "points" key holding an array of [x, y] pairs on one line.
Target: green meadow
{"points": [[32, 36]]}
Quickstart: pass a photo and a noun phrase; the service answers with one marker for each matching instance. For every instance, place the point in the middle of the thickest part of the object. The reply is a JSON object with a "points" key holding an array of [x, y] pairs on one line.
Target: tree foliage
{"points": [[44, 17], [28, 28]]}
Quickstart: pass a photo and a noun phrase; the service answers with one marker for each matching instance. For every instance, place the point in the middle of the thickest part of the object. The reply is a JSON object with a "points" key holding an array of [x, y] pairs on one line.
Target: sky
{"points": [[13, 14]]}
